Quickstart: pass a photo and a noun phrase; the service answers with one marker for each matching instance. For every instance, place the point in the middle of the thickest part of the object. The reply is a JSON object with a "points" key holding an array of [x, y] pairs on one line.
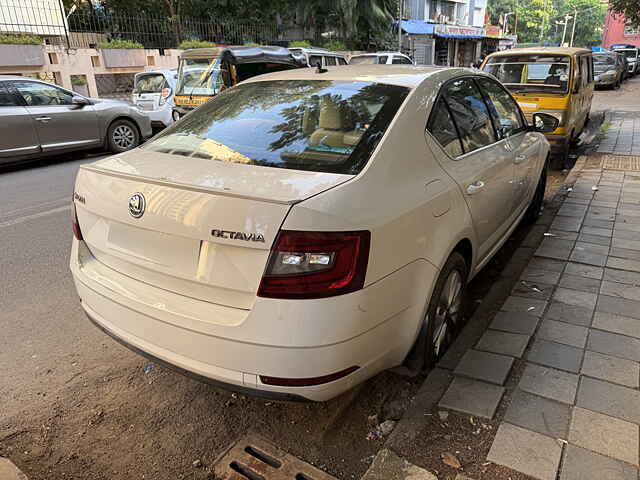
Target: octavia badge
{"points": [[137, 205]]}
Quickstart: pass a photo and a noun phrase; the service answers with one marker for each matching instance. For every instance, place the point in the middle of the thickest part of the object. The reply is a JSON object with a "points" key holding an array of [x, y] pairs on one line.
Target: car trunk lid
{"points": [[207, 227]]}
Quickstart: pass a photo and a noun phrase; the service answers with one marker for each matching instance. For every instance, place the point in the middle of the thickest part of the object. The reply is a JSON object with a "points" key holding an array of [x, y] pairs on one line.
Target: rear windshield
{"points": [[317, 125], [537, 73], [151, 83]]}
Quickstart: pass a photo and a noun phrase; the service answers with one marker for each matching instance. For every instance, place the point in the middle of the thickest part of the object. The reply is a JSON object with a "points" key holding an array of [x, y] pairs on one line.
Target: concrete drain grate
{"points": [[254, 458], [620, 162]]}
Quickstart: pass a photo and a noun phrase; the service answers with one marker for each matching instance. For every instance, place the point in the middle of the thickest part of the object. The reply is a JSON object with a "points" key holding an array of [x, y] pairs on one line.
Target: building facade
{"points": [[445, 32], [617, 31]]}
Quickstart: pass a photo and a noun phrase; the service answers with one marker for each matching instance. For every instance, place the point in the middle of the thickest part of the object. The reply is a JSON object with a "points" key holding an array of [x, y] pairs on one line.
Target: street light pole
{"points": [[400, 26], [573, 29], [567, 17]]}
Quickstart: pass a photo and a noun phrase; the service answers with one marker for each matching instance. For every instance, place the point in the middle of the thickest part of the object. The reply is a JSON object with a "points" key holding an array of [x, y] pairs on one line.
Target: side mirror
{"points": [[79, 101], [545, 123]]}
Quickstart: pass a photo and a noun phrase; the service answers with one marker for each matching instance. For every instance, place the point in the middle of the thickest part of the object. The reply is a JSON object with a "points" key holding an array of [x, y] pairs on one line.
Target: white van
{"points": [[153, 93], [311, 56]]}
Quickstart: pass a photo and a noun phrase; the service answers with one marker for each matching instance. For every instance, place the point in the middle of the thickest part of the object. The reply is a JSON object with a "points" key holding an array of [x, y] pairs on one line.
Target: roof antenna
{"points": [[319, 68]]}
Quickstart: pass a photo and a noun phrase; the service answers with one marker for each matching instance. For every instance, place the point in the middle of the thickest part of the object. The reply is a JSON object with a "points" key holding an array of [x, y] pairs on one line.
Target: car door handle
{"points": [[43, 119], [520, 159], [475, 187]]}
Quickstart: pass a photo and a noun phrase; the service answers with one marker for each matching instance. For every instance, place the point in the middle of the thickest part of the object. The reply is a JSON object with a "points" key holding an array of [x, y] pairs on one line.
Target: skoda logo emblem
{"points": [[137, 205]]}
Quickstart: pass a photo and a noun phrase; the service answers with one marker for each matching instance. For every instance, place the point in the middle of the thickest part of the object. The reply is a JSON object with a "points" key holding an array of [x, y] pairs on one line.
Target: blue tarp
{"points": [[598, 49], [417, 27]]}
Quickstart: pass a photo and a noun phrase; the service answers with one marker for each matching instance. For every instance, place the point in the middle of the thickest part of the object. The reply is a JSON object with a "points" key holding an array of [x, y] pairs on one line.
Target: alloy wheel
{"points": [[124, 137], [447, 314]]}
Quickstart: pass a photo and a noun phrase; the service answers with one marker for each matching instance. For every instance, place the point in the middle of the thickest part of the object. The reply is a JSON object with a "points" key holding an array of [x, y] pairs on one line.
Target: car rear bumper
{"points": [[154, 331], [161, 117]]}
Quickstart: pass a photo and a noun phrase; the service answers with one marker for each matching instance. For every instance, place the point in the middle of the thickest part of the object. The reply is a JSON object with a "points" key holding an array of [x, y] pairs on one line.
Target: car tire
{"points": [[537, 202], [444, 317], [122, 135]]}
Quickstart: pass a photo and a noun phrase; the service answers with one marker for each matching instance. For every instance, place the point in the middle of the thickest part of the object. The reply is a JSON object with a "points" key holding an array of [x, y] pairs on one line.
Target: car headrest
{"points": [[330, 117]]}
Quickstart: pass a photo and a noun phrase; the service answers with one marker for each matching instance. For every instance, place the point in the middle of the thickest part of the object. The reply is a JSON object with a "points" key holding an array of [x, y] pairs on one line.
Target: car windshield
{"points": [[364, 60], [317, 125], [535, 73], [630, 54], [604, 60], [199, 76], [151, 83]]}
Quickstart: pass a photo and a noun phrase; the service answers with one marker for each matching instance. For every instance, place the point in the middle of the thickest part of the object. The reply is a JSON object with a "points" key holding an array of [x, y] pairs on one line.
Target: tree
{"points": [[533, 16], [589, 24], [628, 8]]}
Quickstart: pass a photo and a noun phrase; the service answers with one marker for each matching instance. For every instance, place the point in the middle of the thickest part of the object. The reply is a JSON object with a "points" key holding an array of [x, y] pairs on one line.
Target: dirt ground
{"points": [[131, 420], [119, 422]]}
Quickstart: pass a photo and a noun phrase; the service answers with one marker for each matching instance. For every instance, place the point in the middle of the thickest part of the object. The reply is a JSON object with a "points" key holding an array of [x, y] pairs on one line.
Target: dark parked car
{"points": [[40, 118], [609, 69]]}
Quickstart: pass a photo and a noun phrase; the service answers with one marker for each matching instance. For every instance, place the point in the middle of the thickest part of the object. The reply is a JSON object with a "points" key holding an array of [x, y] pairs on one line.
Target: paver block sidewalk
{"points": [[582, 376]]}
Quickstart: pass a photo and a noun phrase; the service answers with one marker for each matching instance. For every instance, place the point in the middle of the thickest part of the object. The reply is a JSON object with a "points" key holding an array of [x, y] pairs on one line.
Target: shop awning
{"points": [[416, 27]]}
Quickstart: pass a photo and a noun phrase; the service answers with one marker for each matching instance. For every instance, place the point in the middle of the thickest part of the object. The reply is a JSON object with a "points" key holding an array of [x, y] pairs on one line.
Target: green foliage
{"points": [[628, 8], [20, 40], [126, 44], [537, 20], [300, 44], [335, 45], [251, 44], [78, 80], [195, 44]]}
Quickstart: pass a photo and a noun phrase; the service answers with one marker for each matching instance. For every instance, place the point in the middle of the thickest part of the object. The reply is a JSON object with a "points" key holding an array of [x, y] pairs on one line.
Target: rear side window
{"points": [[330, 60], [442, 128], [382, 59], [317, 125], [8, 99], [401, 60], [470, 114], [341, 61], [364, 60]]}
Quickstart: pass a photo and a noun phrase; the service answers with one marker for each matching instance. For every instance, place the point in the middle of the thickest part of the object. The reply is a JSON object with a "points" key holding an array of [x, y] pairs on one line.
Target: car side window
{"points": [[342, 61], [401, 60], [314, 60], [442, 128], [40, 94], [470, 114], [7, 98], [330, 61], [503, 108], [382, 59]]}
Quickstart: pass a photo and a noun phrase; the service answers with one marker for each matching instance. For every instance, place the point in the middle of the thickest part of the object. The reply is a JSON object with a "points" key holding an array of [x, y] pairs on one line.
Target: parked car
{"points": [[40, 118], [205, 72], [558, 81], [632, 57], [153, 93], [312, 56], [381, 58], [609, 69], [303, 231]]}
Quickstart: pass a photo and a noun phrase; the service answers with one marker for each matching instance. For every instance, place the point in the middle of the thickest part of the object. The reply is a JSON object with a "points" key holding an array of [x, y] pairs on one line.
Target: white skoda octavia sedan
{"points": [[305, 230]]}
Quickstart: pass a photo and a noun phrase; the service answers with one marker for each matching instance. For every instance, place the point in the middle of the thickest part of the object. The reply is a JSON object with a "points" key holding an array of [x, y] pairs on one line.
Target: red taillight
{"points": [[316, 264], [74, 222], [306, 382]]}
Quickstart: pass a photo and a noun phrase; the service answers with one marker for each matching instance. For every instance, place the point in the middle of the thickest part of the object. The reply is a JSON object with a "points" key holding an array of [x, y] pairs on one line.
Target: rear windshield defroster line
{"points": [[315, 125]]}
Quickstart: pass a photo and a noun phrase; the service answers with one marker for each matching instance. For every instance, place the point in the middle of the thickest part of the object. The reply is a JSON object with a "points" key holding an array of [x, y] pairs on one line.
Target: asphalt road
{"points": [[43, 332]]}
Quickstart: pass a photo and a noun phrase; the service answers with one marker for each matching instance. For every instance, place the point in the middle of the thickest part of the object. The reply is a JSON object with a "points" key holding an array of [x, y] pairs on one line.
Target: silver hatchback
{"points": [[40, 118]]}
